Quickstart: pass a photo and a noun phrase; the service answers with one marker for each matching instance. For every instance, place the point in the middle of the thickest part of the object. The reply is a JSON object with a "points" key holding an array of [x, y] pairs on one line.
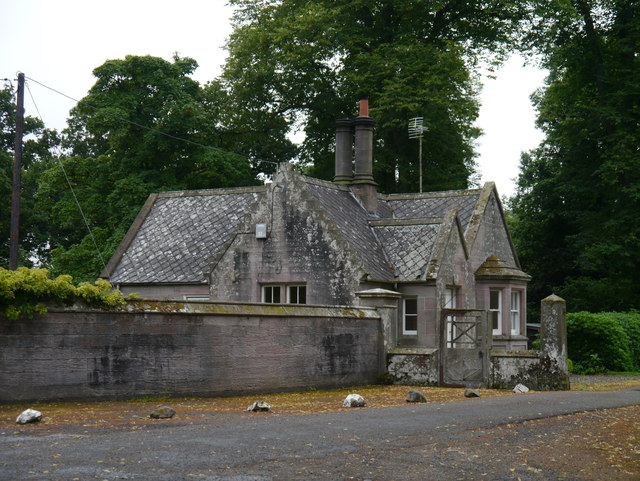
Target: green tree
{"points": [[145, 126], [36, 156], [579, 193], [298, 65]]}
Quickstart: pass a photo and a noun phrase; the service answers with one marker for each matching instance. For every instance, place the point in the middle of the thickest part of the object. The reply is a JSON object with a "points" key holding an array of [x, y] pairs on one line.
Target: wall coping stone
{"points": [[503, 353], [230, 308], [413, 351], [510, 337]]}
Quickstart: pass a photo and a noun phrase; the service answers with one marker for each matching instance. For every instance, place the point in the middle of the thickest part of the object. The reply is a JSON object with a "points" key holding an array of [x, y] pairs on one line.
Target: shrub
{"points": [[25, 291], [630, 322], [597, 343]]}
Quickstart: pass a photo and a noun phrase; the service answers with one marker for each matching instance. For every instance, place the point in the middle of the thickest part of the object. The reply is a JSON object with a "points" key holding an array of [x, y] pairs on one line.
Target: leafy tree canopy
{"points": [[579, 193], [36, 156], [298, 65], [145, 126]]}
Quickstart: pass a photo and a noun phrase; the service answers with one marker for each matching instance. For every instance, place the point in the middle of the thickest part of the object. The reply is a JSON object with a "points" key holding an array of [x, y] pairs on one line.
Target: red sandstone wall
{"points": [[231, 349]]}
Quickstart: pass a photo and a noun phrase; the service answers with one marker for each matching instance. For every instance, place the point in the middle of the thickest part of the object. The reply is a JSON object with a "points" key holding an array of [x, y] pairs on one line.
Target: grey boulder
{"points": [[259, 406], [471, 393], [164, 412], [416, 397], [353, 401], [520, 388], [29, 416]]}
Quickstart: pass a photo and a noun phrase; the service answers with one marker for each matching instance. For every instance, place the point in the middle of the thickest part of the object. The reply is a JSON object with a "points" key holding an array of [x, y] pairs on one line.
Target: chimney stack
{"points": [[364, 145], [344, 152], [363, 184]]}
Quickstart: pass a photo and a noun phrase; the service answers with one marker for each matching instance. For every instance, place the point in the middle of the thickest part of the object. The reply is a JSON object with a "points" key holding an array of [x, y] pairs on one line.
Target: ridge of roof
{"points": [[324, 183], [430, 195], [255, 189], [406, 221]]}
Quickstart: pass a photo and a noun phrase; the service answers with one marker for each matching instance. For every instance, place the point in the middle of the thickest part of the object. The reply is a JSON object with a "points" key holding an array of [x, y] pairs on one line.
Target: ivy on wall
{"points": [[25, 292]]}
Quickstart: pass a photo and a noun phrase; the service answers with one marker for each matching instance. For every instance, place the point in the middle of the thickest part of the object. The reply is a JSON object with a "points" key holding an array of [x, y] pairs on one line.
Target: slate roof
{"points": [[182, 234], [494, 268], [434, 204], [409, 247], [352, 220]]}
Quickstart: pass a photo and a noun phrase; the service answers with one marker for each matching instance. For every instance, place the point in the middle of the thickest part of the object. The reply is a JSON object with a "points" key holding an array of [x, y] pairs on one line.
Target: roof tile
{"points": [[181, 237]]}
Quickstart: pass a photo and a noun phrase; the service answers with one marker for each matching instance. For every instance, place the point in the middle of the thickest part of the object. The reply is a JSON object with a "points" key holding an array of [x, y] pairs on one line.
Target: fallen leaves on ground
{"points": [[134, 414], [592, 446]]}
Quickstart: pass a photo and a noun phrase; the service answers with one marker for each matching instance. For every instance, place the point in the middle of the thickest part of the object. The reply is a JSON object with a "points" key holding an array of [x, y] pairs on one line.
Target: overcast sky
{"points": [[59, 43]]}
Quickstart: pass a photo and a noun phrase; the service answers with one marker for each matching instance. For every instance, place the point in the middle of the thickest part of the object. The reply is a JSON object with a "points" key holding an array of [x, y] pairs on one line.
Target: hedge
{"points": [[603, 342], [630, 322]]}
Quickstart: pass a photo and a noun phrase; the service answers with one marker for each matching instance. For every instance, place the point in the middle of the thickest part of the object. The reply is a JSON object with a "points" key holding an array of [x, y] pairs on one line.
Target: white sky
{"points": [[60, 42]]}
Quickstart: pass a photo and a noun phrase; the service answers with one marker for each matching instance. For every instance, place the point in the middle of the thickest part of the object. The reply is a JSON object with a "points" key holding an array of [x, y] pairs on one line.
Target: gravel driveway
{"points": [[502, 438]]}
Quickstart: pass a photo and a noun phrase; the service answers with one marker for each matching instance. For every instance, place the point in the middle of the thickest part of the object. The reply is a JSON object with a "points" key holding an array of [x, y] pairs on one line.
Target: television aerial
{"points": [[416, 130]]}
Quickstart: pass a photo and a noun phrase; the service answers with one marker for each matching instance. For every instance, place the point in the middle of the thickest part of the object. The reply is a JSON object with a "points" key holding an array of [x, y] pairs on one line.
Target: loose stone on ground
{"points": [[29, 416], [471, 393], [164, 412], [520, 389], [354, 401], [259, 406], [416, 397]]}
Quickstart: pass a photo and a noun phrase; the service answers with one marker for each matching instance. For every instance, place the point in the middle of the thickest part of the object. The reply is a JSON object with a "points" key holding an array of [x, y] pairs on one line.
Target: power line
{"points": [[152, 129], [131, 122]]}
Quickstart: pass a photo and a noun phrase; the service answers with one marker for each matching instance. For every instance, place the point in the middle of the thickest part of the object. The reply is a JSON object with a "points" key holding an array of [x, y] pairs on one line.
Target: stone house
{"points": [[300, 240]]}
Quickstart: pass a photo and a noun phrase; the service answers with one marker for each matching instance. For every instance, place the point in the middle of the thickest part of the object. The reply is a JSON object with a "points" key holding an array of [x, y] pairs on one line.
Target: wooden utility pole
{"points": [[17, 174]]}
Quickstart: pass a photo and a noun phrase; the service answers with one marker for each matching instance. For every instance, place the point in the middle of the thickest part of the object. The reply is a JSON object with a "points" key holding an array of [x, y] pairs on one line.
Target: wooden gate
{"points": [[464, 348]]}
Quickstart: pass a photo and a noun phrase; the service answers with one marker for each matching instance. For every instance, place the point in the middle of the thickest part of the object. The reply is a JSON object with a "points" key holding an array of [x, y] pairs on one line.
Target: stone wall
{"points": [[419, 366], [302, 247], [534, 369], [174, 348]]}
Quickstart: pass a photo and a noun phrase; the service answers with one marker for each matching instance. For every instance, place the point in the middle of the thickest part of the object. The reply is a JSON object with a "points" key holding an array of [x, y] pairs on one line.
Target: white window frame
{"points": [[272, 287], [515, 311], [297, 287], [451, 297], [284, 293], [450, 302], [498, 331], [412, 316]]}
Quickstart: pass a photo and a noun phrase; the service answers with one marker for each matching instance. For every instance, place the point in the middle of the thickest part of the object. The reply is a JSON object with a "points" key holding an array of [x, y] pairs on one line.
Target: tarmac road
{"points": [[412, 442]]}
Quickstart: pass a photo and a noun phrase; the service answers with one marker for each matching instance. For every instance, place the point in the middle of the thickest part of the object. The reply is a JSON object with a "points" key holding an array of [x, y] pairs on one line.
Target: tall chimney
{"points": [[364, 145], [344, 152], [363, 184]]}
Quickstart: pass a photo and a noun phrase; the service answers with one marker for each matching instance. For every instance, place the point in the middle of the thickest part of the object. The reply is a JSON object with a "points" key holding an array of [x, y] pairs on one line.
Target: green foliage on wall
{"points": [[599, 343], [26, 291]]}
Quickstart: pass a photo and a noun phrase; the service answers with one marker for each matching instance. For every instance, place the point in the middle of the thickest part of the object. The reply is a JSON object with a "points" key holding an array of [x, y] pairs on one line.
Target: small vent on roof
{"points": [[261, 231]]}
